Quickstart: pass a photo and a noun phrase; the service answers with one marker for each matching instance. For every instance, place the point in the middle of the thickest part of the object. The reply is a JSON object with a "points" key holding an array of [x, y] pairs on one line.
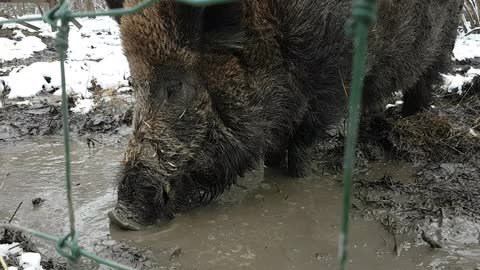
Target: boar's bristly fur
{"points": [[219, 88]]}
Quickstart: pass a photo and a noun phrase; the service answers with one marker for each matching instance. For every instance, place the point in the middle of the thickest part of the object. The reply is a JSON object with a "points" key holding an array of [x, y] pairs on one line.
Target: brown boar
{"points": [[218, 88]]}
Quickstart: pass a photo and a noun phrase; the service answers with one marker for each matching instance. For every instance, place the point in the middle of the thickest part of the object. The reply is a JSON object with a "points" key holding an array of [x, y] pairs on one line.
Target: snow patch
{"points": [[12, 49], [83, 106], [25, 102], [467, 47], [30, 261], [26, 82], [455, 83], [111, 72], [7, 250], [125, 89], [94, 58], [398, 102], [27, 260], [18, 34]]}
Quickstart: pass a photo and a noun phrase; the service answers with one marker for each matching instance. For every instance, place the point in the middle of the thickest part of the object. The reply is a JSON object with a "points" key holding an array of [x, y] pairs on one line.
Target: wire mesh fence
{"points": [[59, 17]]}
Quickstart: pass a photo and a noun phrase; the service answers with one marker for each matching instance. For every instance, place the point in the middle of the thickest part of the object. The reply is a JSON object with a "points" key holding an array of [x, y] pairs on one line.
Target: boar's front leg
{"points": [[300, 147], [276, 159]]}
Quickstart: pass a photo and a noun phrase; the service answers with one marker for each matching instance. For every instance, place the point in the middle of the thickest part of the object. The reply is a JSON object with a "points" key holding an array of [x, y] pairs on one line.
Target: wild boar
{"points": [[219, 88]]}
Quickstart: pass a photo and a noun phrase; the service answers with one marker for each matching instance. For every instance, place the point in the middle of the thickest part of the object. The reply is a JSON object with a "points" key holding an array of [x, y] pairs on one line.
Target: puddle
{"points": [[35, 168], [268, 222]]}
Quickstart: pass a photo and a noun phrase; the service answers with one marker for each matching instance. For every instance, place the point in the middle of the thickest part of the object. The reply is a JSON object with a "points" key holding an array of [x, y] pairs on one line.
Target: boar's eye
{"points": [[173, 89], [222, 26]]}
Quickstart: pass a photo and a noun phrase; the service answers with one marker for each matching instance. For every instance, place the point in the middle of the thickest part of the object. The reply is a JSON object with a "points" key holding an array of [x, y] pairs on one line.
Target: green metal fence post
{"points": [[363, 15]]}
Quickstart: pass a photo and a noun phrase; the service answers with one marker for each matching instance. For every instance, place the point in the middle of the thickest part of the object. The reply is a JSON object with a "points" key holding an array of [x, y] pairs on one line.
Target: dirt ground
{"points": [[441, 194], [442, 146], [108, 249]]}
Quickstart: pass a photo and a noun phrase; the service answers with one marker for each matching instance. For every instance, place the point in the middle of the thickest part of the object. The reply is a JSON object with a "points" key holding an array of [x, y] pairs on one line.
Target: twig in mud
{"points": [[478, 237], [470, 209], [14, 213], [395, 245], [433, 244], [241, 186], [91, 141], [15, 246], [463, 132], [1, 185], [384, 241], [2, 263], [334, 167], [95, 140], [451, 147], [464, 95], [278, 188], [175, 253]]}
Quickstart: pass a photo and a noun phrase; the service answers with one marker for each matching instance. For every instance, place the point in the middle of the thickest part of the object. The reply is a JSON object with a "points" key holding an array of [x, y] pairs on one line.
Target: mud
{"points": [[34, 168], [267, 221], [437, 201], [43, 117]]}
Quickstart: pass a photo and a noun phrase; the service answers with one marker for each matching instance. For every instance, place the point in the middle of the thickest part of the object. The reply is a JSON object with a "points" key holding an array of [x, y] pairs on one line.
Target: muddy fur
{"points": [[219, 88]]}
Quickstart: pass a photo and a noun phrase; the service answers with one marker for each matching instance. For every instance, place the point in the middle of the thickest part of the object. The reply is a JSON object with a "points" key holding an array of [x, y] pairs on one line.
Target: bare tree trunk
{"points": [[19, 10], [465, 24], [89, 5], [39, 6], [477, 10], [471, 12]]}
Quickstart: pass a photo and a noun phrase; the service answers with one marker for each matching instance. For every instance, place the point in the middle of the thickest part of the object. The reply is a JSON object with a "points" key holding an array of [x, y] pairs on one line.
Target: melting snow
{"points": [[83, 106], [27, 260], [12, 49], [455, 83], [30, 261], [94, 56], [467, 47]]}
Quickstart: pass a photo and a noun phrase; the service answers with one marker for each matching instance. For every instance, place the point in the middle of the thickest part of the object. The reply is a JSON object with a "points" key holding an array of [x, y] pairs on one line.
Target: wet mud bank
{"points": [[435, 199], [106, 248], [42, 116], [32, 194]]}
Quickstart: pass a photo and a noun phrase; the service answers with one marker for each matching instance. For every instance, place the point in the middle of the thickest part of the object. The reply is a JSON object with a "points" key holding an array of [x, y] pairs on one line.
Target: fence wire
{"points": [[59, 17]]}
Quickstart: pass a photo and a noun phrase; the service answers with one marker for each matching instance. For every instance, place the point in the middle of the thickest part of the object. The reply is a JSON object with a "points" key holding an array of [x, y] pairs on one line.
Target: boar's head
{"points": [[179, 56]]}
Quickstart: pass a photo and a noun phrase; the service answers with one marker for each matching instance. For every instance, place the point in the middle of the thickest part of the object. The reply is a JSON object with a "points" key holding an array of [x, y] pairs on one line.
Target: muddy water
{"points": [[35, 168], [269, 222]]}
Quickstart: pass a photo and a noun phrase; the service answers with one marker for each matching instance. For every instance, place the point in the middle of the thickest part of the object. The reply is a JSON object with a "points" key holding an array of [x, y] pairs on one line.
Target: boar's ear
{"points": [[222, 25], [113, 4]]}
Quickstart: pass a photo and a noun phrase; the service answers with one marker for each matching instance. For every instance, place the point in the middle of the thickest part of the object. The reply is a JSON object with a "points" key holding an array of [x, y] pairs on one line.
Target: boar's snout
{"points": [[124, 218], [144, 197]]}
